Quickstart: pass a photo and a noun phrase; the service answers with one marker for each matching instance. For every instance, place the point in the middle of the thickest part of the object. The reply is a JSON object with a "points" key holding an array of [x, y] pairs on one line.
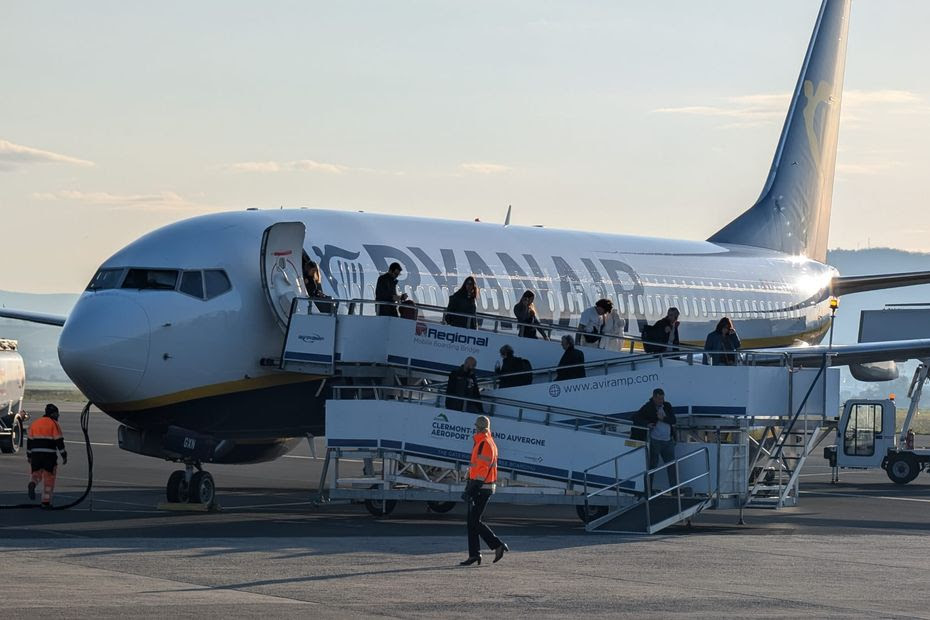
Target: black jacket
{"points": [[523, 315], [463, 383], [570, 357], [315, 291], [513, 364], [460, 302], [385, 290], [656, 333], [647, 415]]}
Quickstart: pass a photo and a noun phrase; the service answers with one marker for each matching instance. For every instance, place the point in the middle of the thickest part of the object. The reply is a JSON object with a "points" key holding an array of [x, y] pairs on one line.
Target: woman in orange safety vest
{"points": [[481, 478]]}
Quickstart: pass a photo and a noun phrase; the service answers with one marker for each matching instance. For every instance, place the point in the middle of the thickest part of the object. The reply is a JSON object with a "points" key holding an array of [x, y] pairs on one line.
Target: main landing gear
{"points": [[187, 486]]}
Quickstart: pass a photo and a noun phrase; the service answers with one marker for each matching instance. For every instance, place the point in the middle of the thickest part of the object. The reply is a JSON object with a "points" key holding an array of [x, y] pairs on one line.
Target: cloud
{"points": [[297, 165], [760, 109], [16, 155], [480, 167], [158, 201]]}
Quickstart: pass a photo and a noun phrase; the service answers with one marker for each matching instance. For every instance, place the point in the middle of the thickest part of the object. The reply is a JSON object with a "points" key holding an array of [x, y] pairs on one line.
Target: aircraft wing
{"points": [[861, 353], [33, 317], [844, 285]]}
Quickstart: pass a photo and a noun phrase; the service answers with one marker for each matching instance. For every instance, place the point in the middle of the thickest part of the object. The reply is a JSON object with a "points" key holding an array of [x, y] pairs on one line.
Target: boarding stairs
{"points": [[388, 373], [417, 450], [782, 450]]}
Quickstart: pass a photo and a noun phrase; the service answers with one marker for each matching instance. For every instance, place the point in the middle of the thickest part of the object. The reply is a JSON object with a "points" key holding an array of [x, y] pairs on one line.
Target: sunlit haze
{"points": [[655, 118]]}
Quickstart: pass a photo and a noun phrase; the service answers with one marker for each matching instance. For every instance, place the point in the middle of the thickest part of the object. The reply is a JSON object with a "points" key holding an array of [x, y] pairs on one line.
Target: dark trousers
{"points": [[665, 450], [476, 527]]}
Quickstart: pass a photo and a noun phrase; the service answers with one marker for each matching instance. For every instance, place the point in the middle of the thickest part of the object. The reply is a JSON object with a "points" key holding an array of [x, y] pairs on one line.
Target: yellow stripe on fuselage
{"points": [[216, 389]]}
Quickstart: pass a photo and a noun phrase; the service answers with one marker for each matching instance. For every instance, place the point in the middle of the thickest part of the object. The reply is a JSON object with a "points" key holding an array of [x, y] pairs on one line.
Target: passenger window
{"points": [[713, 306], [620, 304], [158, 279], [192, 284], [105, 278], [685, 307], [649, 306], [216, 282], [703, 306]]}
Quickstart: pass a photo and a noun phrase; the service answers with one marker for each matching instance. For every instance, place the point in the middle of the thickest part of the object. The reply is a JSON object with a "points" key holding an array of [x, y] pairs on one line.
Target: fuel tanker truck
{"points": [[12, 386]]}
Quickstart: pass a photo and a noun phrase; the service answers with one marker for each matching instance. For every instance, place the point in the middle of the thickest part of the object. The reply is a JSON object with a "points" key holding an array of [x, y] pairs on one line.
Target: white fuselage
{"points": [[136, 350]]}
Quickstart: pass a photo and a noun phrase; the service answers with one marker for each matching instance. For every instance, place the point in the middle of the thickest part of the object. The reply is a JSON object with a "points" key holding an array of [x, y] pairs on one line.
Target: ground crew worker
{"points": [[482, 476], [43, 444]]}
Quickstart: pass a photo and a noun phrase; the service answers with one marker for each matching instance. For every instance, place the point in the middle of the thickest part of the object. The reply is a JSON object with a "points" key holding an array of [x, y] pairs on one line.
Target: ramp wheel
{"points": [[590, 513], [440, 507], [177, 489], [203, 490], [379, 508], [902, 468]]}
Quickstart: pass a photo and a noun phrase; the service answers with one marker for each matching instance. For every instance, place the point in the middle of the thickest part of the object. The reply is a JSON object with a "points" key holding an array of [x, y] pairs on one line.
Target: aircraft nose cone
{"points": [[104, 346]]}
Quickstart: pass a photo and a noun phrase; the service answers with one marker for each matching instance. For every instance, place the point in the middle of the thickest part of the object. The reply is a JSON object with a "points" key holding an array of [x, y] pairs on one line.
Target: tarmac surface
{"points": [[853, 550]]}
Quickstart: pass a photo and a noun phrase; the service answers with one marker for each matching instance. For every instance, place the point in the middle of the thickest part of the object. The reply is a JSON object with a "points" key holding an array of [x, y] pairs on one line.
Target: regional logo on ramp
{"points": [[555, 390]]}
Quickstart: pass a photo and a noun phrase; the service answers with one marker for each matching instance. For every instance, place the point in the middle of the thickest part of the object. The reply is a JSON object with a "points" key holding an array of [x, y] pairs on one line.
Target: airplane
{"points": [[171, 330]]}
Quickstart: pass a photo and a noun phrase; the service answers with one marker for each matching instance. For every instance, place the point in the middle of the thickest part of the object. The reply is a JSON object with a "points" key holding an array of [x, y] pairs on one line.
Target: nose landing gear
{"points": [[187, 486]]}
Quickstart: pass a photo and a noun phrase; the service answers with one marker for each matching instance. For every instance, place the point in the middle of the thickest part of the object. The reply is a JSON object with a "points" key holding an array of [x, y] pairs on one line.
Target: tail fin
{"points": [[792, 214]]}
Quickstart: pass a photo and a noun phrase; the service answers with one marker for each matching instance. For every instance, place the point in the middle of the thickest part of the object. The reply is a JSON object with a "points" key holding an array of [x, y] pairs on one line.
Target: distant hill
{"points": [[39, 343]]}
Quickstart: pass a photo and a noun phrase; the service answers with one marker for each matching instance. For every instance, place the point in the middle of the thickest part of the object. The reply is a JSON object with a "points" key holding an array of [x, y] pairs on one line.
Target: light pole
{"points": [[834, 304]]}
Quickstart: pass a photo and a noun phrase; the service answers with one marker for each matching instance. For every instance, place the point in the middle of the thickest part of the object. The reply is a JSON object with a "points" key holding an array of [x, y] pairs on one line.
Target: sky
{"points": [[651, 118]]}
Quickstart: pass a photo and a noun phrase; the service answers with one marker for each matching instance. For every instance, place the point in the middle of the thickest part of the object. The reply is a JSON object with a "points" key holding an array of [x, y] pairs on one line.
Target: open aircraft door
{"points": [[282, 277]]}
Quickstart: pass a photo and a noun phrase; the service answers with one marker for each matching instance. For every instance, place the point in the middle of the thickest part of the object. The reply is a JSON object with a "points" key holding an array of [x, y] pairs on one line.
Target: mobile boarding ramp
{"points": [[420, 452]]}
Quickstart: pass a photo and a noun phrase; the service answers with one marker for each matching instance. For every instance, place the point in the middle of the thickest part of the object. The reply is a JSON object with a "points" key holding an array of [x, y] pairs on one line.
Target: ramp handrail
{"points": [[605, 421], [647, 474], [746, 356], [497, 319]]}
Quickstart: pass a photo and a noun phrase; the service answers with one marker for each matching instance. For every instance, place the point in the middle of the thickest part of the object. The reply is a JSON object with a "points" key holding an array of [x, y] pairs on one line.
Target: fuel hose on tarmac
{"points": [[85, 425]]}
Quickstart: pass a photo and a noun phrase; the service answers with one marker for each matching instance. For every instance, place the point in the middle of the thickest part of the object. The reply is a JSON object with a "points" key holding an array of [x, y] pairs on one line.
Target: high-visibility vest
{"points": [[483, 458], [45, 436]]}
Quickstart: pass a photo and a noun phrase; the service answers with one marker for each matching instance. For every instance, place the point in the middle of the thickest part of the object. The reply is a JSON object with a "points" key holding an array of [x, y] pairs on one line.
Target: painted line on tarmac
{"points": [[279, 505], [860, 496], [319, 458], [91, 443]]}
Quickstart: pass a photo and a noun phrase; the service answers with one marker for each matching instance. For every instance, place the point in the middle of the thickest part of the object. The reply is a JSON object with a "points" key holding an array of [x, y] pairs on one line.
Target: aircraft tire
{"points": [[177, 489], [203, 489], [440, 507], [590, 513], [902, 468]]}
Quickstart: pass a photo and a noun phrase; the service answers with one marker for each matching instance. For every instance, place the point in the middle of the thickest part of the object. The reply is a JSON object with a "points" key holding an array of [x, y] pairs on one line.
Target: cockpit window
{"points": [[192, 284], [159, 279], [216, 281], [104, 279]]}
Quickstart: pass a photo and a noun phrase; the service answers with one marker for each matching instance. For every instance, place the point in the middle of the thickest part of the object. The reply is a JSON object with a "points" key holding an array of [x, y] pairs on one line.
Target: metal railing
{"points": [[605, 424], [619, 486]]}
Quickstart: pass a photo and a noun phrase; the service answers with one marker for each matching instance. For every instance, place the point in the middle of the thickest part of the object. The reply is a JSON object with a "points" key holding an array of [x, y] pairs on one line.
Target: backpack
{"points": [[523, 365]]}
